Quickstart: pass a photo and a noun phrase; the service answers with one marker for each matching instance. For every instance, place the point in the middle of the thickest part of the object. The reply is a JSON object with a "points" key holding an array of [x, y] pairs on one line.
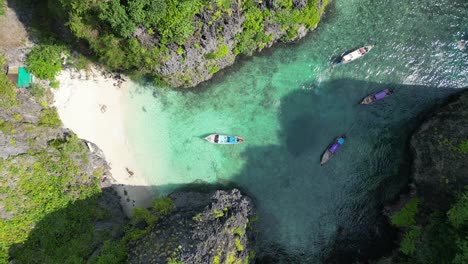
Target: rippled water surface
{"points": [[289, 102]]}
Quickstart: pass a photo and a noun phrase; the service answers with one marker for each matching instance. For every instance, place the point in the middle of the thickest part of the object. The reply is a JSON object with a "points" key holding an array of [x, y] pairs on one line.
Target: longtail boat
{"points": [[356, 54], [332, 149], [372, 98], [224, 139]]}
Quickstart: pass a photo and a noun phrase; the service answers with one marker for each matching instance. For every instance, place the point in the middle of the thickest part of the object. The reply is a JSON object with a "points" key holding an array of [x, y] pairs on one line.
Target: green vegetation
{"points": [[407, 245], [174, 261], [50, 118], [197, 218], [82, 63], [42, 183], [7, 89], [220, 53], [45, 61], [213, 70], [238, 231], [458, 214], [231, 258], [405, 217], [162, 207], [218, 213], [443, 238], [37, 90], [108, 27], [2, 7], [6, 127], [462, 147], [239, 245], [17, 117]]}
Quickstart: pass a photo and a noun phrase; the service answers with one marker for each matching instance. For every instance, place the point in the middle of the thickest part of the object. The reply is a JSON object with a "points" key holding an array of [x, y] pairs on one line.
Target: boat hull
{"points": [[326, 156], [356, 54]]}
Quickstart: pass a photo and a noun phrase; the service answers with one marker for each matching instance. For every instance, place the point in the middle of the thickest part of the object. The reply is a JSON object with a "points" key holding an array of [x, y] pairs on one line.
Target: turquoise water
{"points": [[289, 102]]}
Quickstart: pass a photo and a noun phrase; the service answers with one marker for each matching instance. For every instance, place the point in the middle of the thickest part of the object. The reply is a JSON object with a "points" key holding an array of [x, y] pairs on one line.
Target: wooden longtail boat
{"points": [[356, 54], [224, 139], [332, 149], [372, 98]]}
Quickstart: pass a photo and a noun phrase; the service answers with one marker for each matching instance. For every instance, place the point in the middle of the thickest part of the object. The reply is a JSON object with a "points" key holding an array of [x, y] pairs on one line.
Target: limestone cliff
{"points": [[54, 192], [185, 42], [440, 158], [432, 216], [203, 228]]}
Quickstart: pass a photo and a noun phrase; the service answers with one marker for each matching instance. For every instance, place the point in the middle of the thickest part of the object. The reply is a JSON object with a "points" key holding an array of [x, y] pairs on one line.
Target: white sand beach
{"points": [[93, 105]]}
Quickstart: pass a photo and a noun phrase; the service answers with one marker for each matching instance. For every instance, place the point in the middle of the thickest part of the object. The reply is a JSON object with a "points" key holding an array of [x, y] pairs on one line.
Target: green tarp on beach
{"points": [[24, 77]]}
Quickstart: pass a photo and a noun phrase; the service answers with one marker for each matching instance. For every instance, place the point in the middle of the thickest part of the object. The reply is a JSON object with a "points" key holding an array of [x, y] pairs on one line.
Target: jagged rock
{"points": [[21, 133], [200, 230], [440, 169], [193, 67]]}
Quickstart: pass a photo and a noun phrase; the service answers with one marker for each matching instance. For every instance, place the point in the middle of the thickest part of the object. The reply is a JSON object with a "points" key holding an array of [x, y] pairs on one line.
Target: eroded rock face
{"points": [[203, 228], [195, 65], [22, 135], [440, 165]]}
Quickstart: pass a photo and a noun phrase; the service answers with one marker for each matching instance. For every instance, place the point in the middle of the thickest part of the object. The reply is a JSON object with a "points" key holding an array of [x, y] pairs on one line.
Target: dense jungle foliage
{"points": [[441, 237], [109, 27]]}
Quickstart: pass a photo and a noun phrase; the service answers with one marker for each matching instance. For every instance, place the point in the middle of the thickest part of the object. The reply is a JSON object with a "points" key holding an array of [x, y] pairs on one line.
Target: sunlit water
{"points": [[290, 102]]}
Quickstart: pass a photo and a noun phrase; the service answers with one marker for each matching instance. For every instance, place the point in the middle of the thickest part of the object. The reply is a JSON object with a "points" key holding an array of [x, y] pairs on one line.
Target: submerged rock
{"points": [[202, 228]]}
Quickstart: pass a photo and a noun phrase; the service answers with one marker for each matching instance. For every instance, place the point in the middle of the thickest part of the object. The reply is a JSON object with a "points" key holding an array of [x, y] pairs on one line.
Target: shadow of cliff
{"points": [[312, 214]]}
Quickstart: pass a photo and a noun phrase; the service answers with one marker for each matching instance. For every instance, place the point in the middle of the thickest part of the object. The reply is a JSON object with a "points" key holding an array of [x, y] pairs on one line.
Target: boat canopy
{"points": [[381, 95], [335, 147], [227, 139]]}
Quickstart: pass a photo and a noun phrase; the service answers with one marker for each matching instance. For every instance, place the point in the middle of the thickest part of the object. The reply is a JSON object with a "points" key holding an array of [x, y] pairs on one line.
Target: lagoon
{"points": [[289, 102]]}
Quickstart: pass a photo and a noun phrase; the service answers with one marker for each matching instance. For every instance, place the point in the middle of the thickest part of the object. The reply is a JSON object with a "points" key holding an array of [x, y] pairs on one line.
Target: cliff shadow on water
{"points": [[313, 214]]}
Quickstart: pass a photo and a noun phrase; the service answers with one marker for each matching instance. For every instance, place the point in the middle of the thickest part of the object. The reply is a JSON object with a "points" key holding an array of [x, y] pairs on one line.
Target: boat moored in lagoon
{"points": [[332, 149], [224, 139], [356, 54], [372, 98]]}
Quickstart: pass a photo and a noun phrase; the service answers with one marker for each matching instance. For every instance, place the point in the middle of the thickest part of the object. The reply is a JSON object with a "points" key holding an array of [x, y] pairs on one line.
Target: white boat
{"points": [[224, 139], [356, 54]]}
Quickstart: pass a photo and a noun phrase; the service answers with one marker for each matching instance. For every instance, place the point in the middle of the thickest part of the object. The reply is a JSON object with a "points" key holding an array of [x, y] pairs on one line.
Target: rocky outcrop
{"points": [[439, 174], [440, 158], [188, 41], [21, 132], [196, 65], [28, 131], [203, 228]]}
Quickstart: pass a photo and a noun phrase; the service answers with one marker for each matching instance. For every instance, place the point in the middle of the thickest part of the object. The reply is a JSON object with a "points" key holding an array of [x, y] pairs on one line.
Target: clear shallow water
{"points": [[290, 102]]}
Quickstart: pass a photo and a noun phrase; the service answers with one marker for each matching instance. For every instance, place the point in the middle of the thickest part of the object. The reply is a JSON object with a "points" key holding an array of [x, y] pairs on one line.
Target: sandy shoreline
{"points": [[94, 106]]}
